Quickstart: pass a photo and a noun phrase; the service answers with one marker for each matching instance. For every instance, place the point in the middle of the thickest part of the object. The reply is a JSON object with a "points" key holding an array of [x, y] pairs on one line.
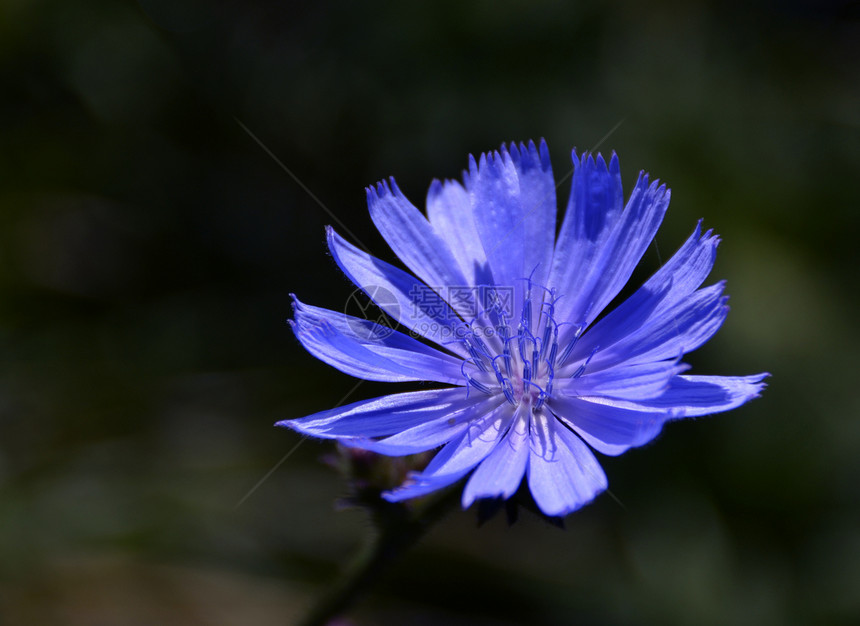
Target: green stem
{"points": [[398, 528]]}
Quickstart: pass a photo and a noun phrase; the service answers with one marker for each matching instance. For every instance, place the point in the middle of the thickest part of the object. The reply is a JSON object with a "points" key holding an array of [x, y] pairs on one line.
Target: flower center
{"points": [[517, 358]]}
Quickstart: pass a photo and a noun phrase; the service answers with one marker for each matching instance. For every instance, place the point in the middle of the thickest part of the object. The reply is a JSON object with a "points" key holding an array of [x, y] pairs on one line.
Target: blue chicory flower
{"points": [[508, 317]]}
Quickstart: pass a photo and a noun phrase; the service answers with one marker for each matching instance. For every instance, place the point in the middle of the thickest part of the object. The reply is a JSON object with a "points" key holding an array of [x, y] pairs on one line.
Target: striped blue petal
{"points": [[563, 474], [594, 286], [459, 456], [402, 296], [513, 204], [635, 382], [675, 280], [694, 396], [449, 209], [607, 427], [367, 350], [681, 329], [500, 474], [416, 242], [382, 416], [595, 204], [431, 433]]}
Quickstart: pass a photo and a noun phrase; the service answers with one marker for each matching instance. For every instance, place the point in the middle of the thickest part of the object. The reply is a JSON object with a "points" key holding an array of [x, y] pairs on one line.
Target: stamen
{"points": [[479, 385], [508, 390], [482, 347], [496, 309], [570, 346], [496, 369], [526, 317], [523, 336], [529, 350], [581, 369], [541, 395], [471, 381], [552, 353], [521, 342], [477, 357], [545, 340], [506, 353]]}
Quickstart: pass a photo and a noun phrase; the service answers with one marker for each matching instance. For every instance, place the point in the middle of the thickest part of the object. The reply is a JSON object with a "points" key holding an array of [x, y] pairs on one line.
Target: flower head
{"points": [[508, 317]]}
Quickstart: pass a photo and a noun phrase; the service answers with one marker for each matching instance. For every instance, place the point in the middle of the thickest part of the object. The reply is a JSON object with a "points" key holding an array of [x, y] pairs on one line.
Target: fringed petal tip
{"points": [[757, 380], [523, 156], [528, 156], [591, 161], [382, 190], [698, 396], [293, 424], [490, 164], [294, 305]]}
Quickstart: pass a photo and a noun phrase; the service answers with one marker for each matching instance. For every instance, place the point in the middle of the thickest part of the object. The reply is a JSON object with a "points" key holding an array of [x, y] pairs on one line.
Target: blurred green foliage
{"points": [[148, 246]]}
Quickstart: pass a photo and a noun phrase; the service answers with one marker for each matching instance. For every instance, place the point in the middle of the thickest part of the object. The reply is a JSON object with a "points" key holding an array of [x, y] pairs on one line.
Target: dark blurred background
{"points": [[148, 246]]}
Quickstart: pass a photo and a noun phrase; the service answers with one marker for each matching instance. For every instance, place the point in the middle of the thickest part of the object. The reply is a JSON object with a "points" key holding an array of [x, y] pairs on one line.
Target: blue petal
{"points": [[607, 427], [612, 426], [634, 382], [473, 445], [596, 202], [513, 203], [676, 331], [562, 472], [449, 210], [383, 416], [495, 189], [674, 281], [432, 433], [688, 268], [538, 207], [501, 473], [458, 457], [694, 396], [592, 287], [367, 350], [399, 294], [415, 241]]}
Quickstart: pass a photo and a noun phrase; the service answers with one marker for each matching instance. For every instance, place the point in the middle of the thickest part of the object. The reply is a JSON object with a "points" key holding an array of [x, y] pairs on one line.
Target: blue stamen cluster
{"points": [[526, 372]]}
